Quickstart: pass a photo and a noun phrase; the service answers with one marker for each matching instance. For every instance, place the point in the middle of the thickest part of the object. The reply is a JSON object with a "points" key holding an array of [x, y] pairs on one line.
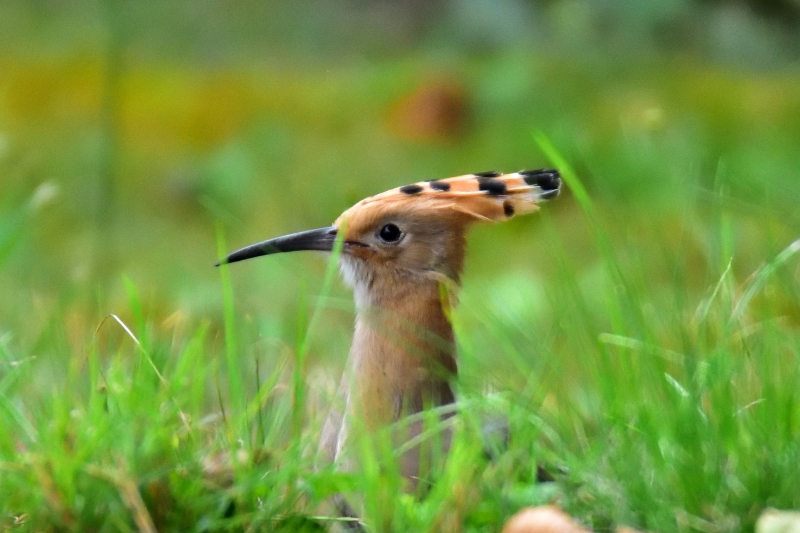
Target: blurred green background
{"points": [[129, 129], [136, 135]]}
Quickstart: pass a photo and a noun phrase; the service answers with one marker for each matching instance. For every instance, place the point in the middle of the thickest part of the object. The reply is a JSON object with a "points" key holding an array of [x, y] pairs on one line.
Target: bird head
{"points": [[417, 231]]}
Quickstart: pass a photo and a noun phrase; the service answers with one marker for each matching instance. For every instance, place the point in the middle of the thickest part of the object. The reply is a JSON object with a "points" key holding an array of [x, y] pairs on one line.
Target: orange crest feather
{"points": [[486, 196]]}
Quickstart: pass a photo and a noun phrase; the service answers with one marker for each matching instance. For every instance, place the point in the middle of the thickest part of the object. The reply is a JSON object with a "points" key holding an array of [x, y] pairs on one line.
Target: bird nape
{"points": [[400, 249]]}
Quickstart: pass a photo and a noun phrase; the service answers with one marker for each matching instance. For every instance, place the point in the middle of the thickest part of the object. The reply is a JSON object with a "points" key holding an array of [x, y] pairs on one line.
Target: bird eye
{"points": [[390, 233]]}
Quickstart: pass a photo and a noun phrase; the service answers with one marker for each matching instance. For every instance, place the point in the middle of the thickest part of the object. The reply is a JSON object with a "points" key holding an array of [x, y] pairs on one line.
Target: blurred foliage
{"points": [[154, 119]]}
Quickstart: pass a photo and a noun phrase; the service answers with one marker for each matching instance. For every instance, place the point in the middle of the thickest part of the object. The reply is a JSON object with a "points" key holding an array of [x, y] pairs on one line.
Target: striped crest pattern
{"points": [[487, 196]]}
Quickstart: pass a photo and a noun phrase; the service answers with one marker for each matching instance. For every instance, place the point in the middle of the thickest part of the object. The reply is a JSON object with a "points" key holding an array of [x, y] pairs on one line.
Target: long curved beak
{"points": [[320, 239]]}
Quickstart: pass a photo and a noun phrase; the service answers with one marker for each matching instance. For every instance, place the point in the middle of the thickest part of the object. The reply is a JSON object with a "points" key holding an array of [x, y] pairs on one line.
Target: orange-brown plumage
{"points": [[472, 197]]}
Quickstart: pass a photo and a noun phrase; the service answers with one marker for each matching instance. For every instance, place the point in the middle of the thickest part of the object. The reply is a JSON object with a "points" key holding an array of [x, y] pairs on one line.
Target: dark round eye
{"points": [[390, 233]]}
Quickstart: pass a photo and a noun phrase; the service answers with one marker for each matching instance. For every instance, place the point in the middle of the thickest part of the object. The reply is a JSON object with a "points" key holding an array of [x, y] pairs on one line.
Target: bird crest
{"points": [[485, 196]]}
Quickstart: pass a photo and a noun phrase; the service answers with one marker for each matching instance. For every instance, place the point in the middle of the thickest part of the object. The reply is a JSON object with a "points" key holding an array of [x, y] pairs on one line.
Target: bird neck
{"points": [[403, 353]]}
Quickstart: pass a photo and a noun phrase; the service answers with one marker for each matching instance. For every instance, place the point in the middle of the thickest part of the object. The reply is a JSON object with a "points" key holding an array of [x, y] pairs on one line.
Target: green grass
{"points": [[640, 333], [665, 410]]}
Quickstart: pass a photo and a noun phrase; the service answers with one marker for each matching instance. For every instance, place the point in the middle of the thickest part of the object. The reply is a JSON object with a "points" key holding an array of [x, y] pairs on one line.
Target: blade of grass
{"points": [[305, 340], [584, 200], [235, 386], [760, 279]]}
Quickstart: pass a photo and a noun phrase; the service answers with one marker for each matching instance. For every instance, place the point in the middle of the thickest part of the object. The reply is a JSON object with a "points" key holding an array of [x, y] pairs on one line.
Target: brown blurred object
{"points": [[434, 111], [775, 521], [544, 519]]}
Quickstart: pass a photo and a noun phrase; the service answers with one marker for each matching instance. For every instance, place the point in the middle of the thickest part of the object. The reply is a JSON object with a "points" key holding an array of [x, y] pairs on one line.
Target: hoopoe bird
{"points": [[403, 251]]}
